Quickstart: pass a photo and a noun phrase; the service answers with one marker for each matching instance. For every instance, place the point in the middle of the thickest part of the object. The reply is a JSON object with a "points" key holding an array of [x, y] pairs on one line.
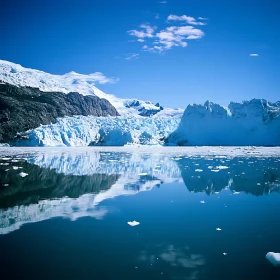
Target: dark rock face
{"points": [[23, 108]]}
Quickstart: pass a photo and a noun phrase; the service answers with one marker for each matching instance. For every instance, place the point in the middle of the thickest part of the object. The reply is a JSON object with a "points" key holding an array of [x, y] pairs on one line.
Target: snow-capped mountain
{"points": [[15, 74], [255, 122]]}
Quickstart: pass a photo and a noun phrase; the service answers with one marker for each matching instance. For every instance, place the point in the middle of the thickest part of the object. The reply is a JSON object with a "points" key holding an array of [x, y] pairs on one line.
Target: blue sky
{"points": [[192, 51]]}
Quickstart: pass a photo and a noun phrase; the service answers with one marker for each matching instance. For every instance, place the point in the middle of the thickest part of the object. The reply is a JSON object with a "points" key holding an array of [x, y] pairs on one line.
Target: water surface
{"points": [[67, 219]]}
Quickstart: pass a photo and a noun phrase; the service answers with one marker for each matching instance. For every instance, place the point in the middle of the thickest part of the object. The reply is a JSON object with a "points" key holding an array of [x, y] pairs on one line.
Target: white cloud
{"points": [[187, 19], [132, 56], [163, 2], [176, 36], [202, 18], [157, 16], [172, 36], [254, 54], [98, 77], [146, 32]]}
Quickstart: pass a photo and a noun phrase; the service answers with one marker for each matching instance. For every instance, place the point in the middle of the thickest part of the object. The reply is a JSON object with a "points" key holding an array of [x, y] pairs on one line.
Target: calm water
{"points": [[67, 219]]}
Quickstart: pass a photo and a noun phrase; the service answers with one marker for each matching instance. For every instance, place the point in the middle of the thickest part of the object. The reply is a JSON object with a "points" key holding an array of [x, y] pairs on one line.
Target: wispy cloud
{"points": [[254, 54], [99, 78], [202, 18], [132, 56], [187, 19], [163, 2], [169, 37], [146, 32]]}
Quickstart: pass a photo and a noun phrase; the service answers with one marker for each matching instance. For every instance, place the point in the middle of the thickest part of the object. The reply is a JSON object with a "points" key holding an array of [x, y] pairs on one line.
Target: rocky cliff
{"points": [[24, 108]]}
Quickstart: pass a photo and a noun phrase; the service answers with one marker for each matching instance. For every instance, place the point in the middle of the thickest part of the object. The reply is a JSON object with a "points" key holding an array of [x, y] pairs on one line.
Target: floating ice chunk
{"points": [[274, 258], [15, 167], [133, 223], [218, 229], [22, 174], [6, 185], [143, 174], [198, 170], [224, 254], [215, 170], [202, 201], [234, 192], [222, 167], [5, 158]]}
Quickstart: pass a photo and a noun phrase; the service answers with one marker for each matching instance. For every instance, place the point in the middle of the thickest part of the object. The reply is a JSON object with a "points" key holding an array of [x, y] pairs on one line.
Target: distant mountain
{"points": [[17, 75]]}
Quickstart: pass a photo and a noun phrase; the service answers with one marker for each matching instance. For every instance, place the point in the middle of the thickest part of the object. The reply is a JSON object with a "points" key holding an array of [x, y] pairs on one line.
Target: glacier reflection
{"points": [[73, 184]]}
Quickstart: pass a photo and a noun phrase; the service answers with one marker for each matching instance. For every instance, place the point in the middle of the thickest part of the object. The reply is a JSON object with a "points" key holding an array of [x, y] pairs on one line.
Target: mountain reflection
{"points": [[73, 184], [257, 176]]}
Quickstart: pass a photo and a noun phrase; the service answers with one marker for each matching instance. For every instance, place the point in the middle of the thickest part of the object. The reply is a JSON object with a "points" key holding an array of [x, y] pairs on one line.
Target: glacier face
{"points": [[101, 131], [255, 122], [17, 75]]}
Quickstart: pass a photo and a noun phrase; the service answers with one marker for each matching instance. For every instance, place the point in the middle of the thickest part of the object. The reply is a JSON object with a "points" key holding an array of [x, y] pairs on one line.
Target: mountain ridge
{"points": [[17, 75]]}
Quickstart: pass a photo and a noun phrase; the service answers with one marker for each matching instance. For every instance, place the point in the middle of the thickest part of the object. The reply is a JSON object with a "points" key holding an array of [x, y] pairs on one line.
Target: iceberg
{"points": [[274, 258], [133, 223]]}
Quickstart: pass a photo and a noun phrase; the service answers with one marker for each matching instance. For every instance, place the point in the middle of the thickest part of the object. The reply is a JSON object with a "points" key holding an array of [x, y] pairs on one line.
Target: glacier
{"points": [[255, 122], [100, 131]]}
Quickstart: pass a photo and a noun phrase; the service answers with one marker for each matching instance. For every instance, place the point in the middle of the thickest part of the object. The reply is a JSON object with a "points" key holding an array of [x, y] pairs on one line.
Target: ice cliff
{"points": [[255, 122], [102, 131]]}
